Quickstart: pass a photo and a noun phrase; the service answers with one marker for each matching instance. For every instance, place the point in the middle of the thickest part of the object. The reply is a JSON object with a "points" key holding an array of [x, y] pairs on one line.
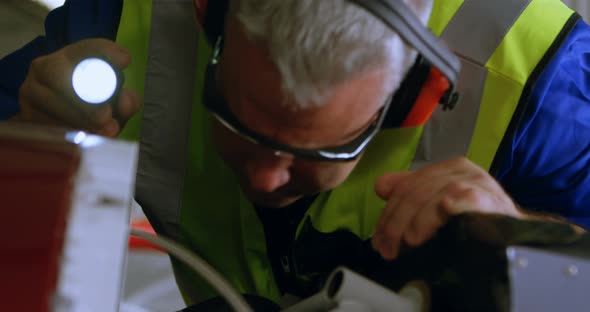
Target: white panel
{"points": [[95, 246]]}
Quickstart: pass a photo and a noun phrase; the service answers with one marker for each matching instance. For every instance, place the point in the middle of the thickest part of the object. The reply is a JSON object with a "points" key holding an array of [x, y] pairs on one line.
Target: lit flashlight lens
{"points": [[94, 80]]}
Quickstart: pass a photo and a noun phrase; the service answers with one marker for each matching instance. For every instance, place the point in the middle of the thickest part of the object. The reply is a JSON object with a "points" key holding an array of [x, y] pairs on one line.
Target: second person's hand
{"points": [[47, 95]]}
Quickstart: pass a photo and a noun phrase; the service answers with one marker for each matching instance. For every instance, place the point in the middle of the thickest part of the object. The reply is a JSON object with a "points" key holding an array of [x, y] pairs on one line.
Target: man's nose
{"points": [[266, 174]]}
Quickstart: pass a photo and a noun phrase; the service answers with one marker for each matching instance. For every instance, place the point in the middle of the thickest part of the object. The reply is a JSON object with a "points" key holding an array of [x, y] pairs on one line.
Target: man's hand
{"points": [[47, 95], [420, 202]]}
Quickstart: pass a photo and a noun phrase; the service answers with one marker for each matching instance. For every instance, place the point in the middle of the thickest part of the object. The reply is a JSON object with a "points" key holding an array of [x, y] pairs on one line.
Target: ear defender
{"points": [[430, 81], [423, 88], [434, 89]]}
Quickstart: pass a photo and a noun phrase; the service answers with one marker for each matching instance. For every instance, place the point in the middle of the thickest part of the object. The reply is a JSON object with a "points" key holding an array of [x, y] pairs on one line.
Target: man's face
{"points": [[251, 85]]}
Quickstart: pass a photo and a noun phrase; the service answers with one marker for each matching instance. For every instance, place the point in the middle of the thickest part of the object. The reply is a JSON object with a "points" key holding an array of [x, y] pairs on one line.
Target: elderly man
{"points": [[294, 92]]}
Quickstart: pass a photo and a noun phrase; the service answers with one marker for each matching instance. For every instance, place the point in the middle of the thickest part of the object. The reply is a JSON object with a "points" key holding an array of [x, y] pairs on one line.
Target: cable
{"points": [[233, 298]]}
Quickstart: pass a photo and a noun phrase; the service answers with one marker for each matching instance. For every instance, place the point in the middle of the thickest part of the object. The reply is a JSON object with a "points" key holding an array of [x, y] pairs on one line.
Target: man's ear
{"points": [[422, 9]]}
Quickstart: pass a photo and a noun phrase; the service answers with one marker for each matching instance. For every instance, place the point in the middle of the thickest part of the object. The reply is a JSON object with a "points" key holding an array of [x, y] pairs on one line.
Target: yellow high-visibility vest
{"points": [[217, 222]]}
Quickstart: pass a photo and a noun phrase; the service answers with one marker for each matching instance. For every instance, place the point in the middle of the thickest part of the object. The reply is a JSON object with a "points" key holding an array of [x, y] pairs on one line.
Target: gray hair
{"points": [[317, 44]]}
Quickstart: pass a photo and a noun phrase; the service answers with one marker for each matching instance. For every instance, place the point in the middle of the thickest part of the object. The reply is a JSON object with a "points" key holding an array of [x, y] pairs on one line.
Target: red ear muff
{"points": [[433, 90], [416, 98]]}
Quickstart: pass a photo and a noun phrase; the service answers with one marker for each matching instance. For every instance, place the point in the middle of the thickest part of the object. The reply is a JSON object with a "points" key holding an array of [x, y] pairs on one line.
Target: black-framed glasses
{"points": [[217, 105]]}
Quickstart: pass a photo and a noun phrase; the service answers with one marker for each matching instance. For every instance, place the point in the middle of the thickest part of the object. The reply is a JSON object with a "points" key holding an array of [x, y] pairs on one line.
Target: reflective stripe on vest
{"points": [[167, 91], [474, 20], [168, 98], [513, 71]]}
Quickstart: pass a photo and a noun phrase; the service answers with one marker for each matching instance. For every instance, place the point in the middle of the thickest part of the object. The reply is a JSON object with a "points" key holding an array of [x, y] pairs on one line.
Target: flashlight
{"points": [[95, 81]]}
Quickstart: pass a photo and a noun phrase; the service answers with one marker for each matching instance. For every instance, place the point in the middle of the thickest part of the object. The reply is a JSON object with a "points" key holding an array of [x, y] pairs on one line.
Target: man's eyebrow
{"points": [[355, 133]]}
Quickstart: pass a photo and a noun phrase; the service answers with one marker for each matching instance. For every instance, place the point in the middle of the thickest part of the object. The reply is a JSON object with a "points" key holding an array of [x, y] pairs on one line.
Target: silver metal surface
{"points": [[542, 280]]}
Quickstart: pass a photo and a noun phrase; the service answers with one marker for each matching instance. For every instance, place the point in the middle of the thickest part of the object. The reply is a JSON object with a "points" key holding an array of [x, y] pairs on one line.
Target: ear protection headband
{"points": [[430, 81]]}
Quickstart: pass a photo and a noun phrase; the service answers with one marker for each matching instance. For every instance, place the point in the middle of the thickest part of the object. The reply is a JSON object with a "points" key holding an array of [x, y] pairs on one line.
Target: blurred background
{"points": [[150, 285], [20, 22]]}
